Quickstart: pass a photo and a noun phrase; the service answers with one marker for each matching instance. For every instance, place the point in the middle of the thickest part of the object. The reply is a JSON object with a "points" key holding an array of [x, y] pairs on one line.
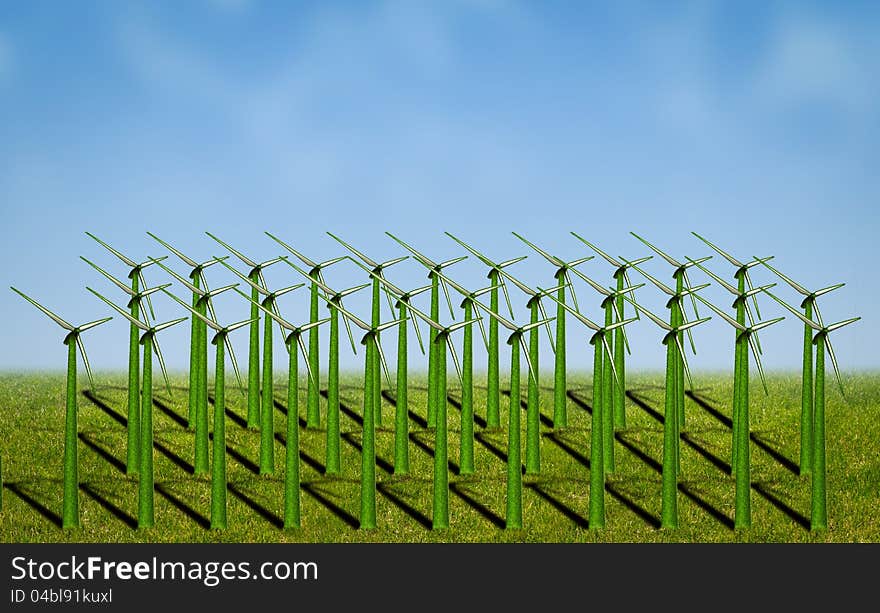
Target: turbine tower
{"points": [[70, 501]]}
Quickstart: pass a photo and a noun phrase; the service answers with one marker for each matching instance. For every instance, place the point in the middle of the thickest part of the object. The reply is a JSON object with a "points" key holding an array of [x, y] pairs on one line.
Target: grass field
{"points": [[555, 504]]}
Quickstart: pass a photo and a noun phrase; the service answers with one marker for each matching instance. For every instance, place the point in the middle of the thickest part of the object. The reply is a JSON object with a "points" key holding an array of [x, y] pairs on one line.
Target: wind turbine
{"points": [[742, 310], [513, 513], [205, 307], [149, 341], [818, 497], [434, 269], [136, 275], [440, 515], [267, 411], [256, 276], [533, 411], [378, 268], [198, 335], [291, 457], [333, 465], [746, 339], [671, 426], [371, 376], [133, 421], [313, 409], [466, 452], [493, 395], [70, 502], [218, 456], [682, 282], [611, 383], [602, 404], [401, 420], [563, 278], [809, 305], [620, 342]]}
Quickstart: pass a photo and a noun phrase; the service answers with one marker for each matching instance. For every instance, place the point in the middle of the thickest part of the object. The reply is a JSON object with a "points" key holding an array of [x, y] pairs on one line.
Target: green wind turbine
{"points": [[466, 452], [313, 409], [205, 307], [563, 278], [256, 276], [743, 311], [434, 269], [198, 335], [818, 497], [682, 282], [401, 418], [602, 405], [440, 515], [514, 512], [377, 268], [493, 394], [70, 501], [671, 426], [620, 342], [218, 455], [746, 339], [149, 341], [291, 455], [368, 444], [133, 422], [533, 410], [136, 275], [333, 462], [809, 305], [267, 411]]}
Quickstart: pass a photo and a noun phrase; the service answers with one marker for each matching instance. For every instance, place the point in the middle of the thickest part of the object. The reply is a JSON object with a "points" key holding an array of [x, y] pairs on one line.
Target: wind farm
{"points": [[582, 445]]}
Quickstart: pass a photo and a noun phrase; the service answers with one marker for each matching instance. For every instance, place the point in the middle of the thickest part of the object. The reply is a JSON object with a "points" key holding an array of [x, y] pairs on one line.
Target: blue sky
{"points": [[755, 124]]}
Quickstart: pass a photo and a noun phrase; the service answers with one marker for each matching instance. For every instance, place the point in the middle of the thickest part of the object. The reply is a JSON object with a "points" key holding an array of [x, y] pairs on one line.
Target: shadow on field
{"points": [[93, 493], [580, 402], [557, 504], [772, 498], [699, 446], [177, 418], [347, 410], [313, 491], [382, 463], [404, 506], [174, 458], [237, 419], [714, 412], [484, 439], [36, 505], [283, 409], [303, 456], [525, 407], [255, 506], [113, 413], [621, 437], [108, 457], [460, 491], [235, 455], [456, 402], [415, 437], [567, 447], [618, 494], [392, 399], [640, 402], [181, 506]]}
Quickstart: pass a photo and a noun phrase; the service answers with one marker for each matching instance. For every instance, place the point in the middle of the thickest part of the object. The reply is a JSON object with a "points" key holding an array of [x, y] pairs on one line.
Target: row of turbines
{"points": [[607, 334]]}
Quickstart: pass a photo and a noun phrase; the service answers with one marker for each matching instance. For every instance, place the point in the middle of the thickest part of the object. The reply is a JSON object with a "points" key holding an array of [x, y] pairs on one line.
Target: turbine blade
{"points": [[504, 322], [393, 261], [167, 324], [658, 251], [535, 324], [313, 324], [181, 280], [93, 324], [354, 289], [756, 353], [382, 359], [45, 311], [596, 286], [651, 316], [234, 361], [550, 258], [186, 260], [610, 358], [834, 364], [511, 262], [825, 290], [123, 286], [286, 325], [415, 325], [506, 296], [128, 262], [730, 288], [455, 359], [452, 261], [305, 354], [659, 284], [448, 299], [239, 324], [720, 252], [482, 331], [580, 317], [301, 257], [82, 350], [549, 332], [473, 251], [687, 370], [604, 255], [764, 324], [797, 314], [260, 289], [121, 311], [423, 259], [162, 363], [571, 291], [754, 297], [210, 321], [247, 261], [733, 322], [368, 261], [348, 314], [525, 353], [798, 288], [147, 296], [285, 290], [390, 324]]}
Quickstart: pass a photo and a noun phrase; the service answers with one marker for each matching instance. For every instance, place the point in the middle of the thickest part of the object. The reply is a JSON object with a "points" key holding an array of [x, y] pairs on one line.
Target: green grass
{"points": [[554, 504]]}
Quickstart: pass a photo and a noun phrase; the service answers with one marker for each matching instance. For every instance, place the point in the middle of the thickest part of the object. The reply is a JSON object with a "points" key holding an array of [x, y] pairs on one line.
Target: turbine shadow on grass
{"points": [[567, 448], [777, 455], [692, 494], [113, 413], [579, 402], [714, 412], [349, 438], [490, 445], [174, 458], [35, 504], [699, 447], [525, 406], [404, 506], [476, 505], [642, 404], [106, 455], [281, 407], [178, 419], [239, 457], [557, 504], [648, 517], [347, 410], [181, 506], [418, 442], [255, 506], [303, 456], [110, 507], [392, 399], [237, 419], [764, 491], [456, 402], [620, 437], [334, 508]]}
